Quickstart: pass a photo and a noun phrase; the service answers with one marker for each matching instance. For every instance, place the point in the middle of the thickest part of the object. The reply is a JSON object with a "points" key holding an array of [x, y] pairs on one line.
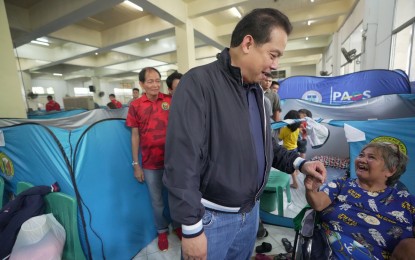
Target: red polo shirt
{"points": [[150, 117], [53, 106], [117, 103]]}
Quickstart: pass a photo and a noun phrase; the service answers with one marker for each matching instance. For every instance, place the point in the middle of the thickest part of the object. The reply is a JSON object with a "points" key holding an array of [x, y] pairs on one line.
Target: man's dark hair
{"points": [[142, 74], [111, 105], [136, 89], [305, 112], [111, 95], [274, 82], [171, 77], [259, 23], [293, 114], [49, 97]]}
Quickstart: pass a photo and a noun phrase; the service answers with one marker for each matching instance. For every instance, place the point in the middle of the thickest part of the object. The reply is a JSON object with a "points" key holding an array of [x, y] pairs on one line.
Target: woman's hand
{"points": [[311, 183]]}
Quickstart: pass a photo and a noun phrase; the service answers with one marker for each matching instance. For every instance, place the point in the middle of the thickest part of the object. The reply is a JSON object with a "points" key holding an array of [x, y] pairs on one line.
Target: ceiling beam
{"points": [[134, 31], [316, 12], [207, 32], [302, 53], [315, 30], [44, 22], [202, 7], [172, 11], [79, 34], [313, 42]]}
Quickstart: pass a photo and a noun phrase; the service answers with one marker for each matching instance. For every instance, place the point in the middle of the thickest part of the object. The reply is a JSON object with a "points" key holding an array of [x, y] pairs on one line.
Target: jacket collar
{"points": [[225, 60]]}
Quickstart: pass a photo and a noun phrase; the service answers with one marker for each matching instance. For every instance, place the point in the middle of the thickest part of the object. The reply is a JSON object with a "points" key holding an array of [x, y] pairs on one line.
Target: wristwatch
{"points": [[134, 163]]}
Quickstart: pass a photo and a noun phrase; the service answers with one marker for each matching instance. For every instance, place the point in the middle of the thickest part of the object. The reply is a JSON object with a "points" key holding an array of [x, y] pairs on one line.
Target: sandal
{"points": [[262, 257], [286, 256], [287, 245], [263, 248], [265, 234]]}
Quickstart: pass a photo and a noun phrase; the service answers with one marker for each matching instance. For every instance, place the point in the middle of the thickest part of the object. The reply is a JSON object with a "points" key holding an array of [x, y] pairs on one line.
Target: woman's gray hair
{"points": [[394, 159]]}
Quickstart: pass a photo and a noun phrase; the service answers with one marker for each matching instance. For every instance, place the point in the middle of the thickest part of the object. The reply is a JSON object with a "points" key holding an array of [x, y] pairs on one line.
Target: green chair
{"points": [[1, 191], [64, 209], [274, 192]]}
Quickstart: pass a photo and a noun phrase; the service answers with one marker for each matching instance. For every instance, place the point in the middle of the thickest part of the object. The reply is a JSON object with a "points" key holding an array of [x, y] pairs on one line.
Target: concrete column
{"points": [[336, 55], [12, 104], [377, 29], [185, 46]]}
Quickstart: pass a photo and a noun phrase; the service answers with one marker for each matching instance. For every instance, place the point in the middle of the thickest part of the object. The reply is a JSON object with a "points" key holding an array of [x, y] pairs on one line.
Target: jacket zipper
{"points": [[265, 148]]}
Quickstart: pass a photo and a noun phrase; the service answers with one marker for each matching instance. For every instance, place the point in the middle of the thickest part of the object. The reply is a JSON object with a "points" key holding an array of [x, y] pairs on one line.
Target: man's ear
{"points": [[247, 43]]}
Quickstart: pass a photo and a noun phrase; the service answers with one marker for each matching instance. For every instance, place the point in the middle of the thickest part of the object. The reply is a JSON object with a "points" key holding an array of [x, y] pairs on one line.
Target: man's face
{"points": [[266, 84], [261, 60], [136, 93], [275, 88], [152, 84], [112, 98]]}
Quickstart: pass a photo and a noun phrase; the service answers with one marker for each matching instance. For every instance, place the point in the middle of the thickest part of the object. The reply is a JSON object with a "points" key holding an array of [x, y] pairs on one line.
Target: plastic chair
{"points": [[1, 191], [274, 192], [64, 209]]}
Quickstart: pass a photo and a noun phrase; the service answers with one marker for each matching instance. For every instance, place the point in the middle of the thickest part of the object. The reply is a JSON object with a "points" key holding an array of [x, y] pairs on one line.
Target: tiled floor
{"points": [[276, 233]]}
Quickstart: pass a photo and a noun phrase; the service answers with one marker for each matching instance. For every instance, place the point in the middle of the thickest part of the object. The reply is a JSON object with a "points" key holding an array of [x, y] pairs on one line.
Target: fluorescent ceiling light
{"points": [[236, 12], [131, 4], [40, 42], [96, 53], [57, 74], [312, 1], [147, 39], [306, 38], [309, 22]]}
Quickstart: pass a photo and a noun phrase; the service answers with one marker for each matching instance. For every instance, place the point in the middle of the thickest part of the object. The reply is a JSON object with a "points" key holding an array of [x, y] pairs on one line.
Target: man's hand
{"points": [[316, 170], [138, 173], [311, 184], [194, 248]]}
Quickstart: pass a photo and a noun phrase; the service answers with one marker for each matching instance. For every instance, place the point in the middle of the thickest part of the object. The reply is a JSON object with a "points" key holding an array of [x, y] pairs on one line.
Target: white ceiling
{"points": [[106, 38]]}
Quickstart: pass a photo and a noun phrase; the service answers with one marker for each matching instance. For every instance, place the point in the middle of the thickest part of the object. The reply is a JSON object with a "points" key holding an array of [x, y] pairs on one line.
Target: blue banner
{"points": [[347, 88]]}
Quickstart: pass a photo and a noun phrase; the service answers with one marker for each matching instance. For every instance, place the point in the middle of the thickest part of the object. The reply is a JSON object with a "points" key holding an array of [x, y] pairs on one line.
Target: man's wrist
{"points": [[298, 163], [192, 230], [134, 163]]}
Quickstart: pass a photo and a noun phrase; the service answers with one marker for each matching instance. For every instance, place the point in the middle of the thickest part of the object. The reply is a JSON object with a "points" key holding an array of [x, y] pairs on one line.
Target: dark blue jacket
{"points": [[209, 149], [27, 204]]}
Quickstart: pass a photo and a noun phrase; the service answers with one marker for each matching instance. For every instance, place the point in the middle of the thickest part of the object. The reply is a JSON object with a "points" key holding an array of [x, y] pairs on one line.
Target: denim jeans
{"points": [[153, 178], [231, 235]]}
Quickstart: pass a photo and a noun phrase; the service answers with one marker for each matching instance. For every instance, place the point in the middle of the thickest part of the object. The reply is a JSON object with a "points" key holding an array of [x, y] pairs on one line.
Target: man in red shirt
{"points": [[52, 105], [116, 102], [148, 117]]}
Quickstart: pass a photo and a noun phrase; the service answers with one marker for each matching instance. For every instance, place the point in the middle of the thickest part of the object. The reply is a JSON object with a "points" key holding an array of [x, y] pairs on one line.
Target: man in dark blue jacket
{"points": [[219, 149]]}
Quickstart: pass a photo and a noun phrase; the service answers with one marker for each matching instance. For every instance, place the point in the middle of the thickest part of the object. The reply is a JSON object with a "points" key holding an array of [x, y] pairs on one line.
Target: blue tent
{"points": [[93, 164]]}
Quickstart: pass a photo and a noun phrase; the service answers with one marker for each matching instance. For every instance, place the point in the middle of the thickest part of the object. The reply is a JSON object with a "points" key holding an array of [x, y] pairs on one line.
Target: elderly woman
{"points": [[366, 217]]}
